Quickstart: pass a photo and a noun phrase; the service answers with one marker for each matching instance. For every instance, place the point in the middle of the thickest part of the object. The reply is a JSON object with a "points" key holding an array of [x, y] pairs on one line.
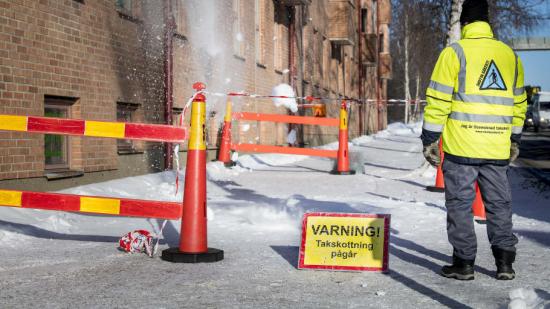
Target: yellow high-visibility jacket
{"points": [[476, 96]]}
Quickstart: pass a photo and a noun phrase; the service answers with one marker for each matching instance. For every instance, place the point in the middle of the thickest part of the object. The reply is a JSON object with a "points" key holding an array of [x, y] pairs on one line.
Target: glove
{"points": [[514, 151], [431, 153]]}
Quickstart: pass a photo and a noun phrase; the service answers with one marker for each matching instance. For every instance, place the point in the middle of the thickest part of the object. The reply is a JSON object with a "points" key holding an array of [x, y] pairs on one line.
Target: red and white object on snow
{"points": [[138, 241]]}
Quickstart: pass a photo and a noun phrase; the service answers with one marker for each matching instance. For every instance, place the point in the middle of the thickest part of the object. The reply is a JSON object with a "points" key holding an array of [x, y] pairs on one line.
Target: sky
{"points": [[537, 63]]}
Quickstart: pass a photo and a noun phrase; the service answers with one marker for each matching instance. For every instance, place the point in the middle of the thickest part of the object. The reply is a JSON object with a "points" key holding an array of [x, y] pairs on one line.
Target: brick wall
{"points": [[85, 51], [99, 56]]}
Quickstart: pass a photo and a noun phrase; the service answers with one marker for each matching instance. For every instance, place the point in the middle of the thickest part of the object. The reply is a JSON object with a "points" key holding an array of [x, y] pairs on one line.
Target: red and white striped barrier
{"points": [[91, 204], [78, 127]]}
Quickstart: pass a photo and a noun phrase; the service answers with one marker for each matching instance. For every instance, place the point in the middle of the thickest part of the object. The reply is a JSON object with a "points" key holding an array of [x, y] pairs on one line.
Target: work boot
{"points": [[461, 269], [504, 260]]}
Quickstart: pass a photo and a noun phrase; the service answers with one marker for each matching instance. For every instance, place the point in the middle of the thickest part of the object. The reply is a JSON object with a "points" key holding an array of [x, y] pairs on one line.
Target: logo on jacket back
{"points": [[490, 78]]}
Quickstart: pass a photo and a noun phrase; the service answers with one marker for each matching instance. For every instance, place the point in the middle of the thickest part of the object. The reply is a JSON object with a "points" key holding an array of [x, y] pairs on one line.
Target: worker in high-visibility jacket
{"points": [[477, 103]]}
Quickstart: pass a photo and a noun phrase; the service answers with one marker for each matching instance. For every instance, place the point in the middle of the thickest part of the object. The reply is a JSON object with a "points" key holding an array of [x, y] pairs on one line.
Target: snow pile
{"points": [[160, 186], [416, 127], [286, 91], [260, 161], [57, 222], [430, 172], [283, 217], [11, 237], [362, 140], [216, 171], [525, 298], [399, 128], [331, 146]]}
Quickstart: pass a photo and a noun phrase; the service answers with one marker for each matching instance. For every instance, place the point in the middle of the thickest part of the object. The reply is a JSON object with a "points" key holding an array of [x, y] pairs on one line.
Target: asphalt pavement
{"points": [[535, 154]]}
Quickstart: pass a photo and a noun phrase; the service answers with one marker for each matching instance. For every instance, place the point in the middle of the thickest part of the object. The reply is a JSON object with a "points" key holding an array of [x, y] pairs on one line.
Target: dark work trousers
{"points": [[459, 196]]}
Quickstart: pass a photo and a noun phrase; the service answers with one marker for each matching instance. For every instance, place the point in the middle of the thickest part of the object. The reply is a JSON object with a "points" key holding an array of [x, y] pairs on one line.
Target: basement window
{"points": [[56, 147], [125, 112]]}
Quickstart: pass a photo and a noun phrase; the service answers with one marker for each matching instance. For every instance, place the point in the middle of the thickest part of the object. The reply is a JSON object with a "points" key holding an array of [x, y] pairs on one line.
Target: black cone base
{"points": [[480, 221], [175, 256], [350, 172], [230, 164], [435, 189]]}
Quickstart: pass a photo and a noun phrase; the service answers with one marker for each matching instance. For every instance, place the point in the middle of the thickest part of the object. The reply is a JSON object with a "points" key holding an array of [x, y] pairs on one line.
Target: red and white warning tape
{"points": [[306, 98]]}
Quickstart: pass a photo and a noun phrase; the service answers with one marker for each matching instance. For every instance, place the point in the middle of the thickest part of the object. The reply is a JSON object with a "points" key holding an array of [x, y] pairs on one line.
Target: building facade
{"points": [[135, 61]]}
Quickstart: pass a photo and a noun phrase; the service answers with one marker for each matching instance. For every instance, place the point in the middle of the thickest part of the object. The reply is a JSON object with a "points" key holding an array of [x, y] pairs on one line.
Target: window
{"points": [[280, 17], [335, 51], [326, 63], [278, 47], [178, 9], [259, 33], [307, 41], [374, 17], [238, 36], [125, 113], [128, 9], [317, 58], [124, 5], [364, 20], [56, 147]]}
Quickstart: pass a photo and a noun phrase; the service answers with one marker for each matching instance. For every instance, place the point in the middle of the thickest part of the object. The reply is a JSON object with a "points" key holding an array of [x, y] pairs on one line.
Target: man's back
{"points": [[476, 91]]}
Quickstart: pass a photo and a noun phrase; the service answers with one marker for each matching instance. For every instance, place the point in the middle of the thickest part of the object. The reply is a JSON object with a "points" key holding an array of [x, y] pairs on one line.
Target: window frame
{"points": [[65, 105], [132, 13], [364, 20], [238, 45], [259, 32], [125, 146], [180, 18]]}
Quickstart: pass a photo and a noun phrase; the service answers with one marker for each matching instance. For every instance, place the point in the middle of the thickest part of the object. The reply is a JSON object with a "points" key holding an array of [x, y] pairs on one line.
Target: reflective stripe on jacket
{"points": [[476, 96]]}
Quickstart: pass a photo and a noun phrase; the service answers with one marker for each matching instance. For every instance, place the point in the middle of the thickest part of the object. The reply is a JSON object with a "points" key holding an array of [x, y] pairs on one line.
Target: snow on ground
{"points": [[70, 260]]}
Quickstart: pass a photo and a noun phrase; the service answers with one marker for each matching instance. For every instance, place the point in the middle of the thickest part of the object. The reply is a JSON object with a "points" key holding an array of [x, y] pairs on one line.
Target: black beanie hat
{"points": [[474, 10]]}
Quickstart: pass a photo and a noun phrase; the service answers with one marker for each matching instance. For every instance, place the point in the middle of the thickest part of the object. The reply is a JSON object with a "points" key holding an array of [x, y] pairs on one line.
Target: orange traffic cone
{"points": [[225, 144], [193, 246], [478, 208], [343, 153], [439, 180]]}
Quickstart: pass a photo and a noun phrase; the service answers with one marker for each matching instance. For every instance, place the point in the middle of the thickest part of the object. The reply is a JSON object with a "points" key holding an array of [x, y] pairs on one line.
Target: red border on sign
{"points": [[385, 262]]}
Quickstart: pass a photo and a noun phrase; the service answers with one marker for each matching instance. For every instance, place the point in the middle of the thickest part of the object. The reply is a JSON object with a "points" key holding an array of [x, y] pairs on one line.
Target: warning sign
{"points": [[345, 241], [490, 78]]}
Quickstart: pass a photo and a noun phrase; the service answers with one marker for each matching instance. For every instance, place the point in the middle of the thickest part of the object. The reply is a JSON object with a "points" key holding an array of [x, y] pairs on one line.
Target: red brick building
{"points": [[121, 59]]}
